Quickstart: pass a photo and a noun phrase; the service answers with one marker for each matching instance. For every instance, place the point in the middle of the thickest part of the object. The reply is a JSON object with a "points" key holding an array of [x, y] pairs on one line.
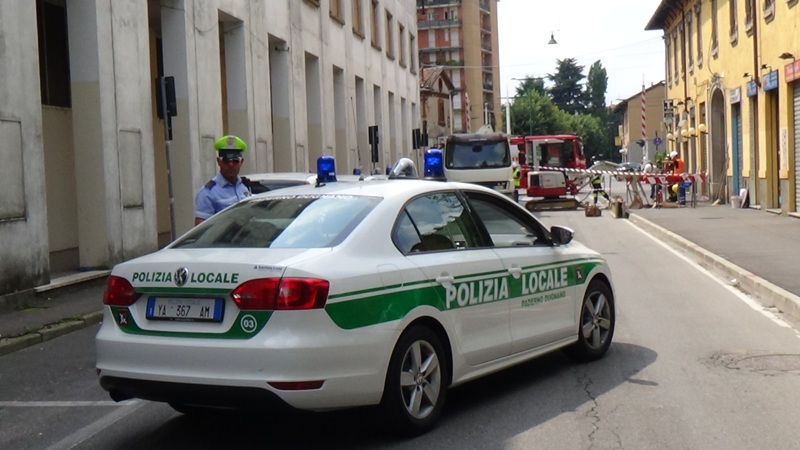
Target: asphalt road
{"points": [[695, 364]]}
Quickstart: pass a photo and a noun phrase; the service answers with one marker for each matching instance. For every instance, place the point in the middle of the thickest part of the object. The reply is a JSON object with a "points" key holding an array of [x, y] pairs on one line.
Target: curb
{"points": [[48, 332], [768, 294]]}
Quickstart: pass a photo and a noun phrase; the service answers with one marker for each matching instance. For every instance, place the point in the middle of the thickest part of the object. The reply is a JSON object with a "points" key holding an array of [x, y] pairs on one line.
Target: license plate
{"points": [[188, 309]]}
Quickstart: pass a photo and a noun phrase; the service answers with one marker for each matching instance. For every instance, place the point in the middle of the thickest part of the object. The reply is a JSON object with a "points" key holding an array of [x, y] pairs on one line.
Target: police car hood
{"points": [[223, 267]]}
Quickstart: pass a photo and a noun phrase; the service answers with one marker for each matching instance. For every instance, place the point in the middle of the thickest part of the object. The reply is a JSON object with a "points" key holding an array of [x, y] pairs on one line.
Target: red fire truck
{"points": [[547, 188]]}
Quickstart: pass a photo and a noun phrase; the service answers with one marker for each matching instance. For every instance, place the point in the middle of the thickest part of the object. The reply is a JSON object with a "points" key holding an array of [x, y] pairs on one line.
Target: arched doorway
{"points": [[719, 154]]}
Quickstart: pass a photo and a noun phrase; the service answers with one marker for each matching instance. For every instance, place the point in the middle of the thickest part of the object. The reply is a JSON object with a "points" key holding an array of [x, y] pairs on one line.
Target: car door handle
{"points": [[515, 272], [445, 279]]}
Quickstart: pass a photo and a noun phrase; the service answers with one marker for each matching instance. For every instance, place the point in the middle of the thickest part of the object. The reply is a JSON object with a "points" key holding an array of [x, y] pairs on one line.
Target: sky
{"points": [[611, 31]]}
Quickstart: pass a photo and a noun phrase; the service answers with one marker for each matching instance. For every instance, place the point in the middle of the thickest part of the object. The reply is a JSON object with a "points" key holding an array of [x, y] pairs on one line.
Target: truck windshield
{"points": [[477, 155]]}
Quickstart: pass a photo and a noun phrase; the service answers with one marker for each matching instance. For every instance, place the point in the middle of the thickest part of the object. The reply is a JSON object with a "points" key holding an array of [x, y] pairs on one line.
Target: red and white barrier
{"points": [[649, 178]]}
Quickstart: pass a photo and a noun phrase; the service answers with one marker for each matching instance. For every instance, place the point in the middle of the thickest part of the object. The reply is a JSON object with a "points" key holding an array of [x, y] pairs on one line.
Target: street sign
{"points": [[669, 112], [657, 141]]}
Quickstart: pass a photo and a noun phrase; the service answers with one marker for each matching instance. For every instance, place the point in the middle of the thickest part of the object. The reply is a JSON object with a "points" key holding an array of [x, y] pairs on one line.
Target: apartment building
{"points": [[734, 79], [462, 36], [84, 182]]}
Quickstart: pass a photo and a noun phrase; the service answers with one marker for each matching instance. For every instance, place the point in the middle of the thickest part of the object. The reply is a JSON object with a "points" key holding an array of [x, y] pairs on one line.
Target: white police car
{"points": [[346, 294]]}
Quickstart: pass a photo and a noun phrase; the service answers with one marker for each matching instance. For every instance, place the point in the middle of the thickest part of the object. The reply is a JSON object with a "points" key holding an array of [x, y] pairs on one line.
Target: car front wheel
{"points": [[597, 321], [415, 386]]}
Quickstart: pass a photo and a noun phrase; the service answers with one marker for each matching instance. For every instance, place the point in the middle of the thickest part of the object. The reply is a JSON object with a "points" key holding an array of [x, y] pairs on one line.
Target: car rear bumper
{"points": [[237, 373]]}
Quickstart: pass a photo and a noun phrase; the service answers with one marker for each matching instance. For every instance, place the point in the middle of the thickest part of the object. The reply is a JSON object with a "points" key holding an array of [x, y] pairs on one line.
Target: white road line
{"points": [[748, 300], [67, 404], [97, 426]]}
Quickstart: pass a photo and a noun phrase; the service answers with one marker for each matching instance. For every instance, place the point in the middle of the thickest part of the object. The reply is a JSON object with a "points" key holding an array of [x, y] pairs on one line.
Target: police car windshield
{"points": [[308, 221], [477, 155]]}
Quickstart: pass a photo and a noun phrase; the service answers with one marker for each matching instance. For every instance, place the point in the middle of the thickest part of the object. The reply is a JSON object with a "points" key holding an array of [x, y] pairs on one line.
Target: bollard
{"points": [[618, 208]]}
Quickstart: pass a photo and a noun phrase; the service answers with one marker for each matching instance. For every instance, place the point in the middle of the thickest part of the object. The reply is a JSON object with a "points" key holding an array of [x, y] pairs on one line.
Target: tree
{"points": [[596, 87], [566, 92], [530, 84], [533, 113]]}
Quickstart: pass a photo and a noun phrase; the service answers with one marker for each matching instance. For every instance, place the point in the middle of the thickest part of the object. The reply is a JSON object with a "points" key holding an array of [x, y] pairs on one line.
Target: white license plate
{"points": [[189, 309]]}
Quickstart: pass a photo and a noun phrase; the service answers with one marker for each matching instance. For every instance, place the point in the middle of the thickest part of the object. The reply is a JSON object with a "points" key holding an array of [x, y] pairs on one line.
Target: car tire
{"points": [[597, 321], [416, 382]]}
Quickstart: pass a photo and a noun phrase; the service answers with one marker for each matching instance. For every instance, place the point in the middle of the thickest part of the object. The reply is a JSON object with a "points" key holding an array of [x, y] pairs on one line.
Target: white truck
{"points": [[480, 158]]}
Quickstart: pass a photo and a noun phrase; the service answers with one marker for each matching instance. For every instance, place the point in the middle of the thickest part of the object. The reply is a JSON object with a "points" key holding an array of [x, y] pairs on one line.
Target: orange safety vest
{"points": [[678, 168]]}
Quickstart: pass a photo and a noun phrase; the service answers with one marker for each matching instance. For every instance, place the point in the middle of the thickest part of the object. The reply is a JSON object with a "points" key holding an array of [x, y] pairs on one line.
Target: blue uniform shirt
{"points": [[217, 195]]}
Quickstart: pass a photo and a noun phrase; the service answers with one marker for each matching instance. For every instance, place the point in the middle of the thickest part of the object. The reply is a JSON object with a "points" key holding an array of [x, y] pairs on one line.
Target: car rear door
{"points": [[436, 233]]}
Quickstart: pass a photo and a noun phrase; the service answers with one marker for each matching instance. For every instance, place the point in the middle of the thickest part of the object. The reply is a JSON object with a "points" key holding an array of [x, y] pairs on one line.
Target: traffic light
{"points": [[373, 142], [170, 103], [416, 138]]}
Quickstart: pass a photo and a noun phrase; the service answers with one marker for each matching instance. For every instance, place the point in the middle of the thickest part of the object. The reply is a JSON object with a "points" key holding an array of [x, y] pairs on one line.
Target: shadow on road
{"points": [[478, 414]]}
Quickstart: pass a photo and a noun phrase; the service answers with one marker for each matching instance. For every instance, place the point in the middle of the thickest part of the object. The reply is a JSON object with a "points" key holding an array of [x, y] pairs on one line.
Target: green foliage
{"points": [[562, 108], [533, 114], [566, 91], [659, 160], [530, 84], [596, 87]]}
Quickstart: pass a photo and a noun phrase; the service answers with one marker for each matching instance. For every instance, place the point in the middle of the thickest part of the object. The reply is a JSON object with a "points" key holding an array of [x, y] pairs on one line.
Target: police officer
{"points": [[597, 187], [226, 188], [517, 176]]}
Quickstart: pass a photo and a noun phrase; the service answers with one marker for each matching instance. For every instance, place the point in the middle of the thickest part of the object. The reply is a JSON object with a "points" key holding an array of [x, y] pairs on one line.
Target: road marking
{"points": [[748, 300], [97, 426], [68, 404]]}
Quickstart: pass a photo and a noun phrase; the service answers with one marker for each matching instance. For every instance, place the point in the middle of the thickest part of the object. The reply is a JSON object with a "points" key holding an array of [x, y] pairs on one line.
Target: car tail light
{"points": [[119, 292], [281, 294]]}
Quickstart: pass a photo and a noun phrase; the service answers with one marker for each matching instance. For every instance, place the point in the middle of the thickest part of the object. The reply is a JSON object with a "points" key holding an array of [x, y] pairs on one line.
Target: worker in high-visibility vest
{"points": [[597, 187], [516, 174]]}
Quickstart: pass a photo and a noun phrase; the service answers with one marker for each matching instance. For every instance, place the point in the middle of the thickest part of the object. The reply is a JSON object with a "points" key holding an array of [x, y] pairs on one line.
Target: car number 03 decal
{"points": [[248, 323]]}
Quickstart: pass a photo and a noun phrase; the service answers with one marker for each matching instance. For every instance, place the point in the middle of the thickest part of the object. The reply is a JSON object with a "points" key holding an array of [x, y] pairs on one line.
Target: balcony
{"points": [[430, 24], [437, 3], [439, 49]]}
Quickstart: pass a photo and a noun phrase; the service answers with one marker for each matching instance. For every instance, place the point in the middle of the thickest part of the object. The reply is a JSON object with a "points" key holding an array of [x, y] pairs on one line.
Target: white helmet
{"points": [[673, 154]]}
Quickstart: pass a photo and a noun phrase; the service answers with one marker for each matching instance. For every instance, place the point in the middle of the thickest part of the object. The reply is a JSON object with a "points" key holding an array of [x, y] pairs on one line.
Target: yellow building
{"points": [[733, 77]]}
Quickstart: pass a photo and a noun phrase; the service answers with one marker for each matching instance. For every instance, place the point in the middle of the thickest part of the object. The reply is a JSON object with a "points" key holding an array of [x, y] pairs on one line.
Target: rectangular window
{"points": [[689, 41], [769, 10], [401, 38], [676, 56], [54, 80], [748, 16], [336, 10], [389, 36], [412, 52], [714, 27], [374, 17], [358, 26], [733, 18], [697, 11]]}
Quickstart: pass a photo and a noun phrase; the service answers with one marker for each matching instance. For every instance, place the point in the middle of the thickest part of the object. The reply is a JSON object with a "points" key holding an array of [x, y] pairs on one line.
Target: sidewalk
{"points": [[757, 249]]}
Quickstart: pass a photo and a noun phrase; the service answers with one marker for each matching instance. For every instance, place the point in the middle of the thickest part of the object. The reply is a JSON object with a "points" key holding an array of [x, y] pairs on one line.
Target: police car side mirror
{"points": [[561, 235]]}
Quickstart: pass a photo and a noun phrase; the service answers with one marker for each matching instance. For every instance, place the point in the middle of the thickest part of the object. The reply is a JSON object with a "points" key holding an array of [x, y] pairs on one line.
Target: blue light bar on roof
{"points": [[326, 169], [433, 163]]}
